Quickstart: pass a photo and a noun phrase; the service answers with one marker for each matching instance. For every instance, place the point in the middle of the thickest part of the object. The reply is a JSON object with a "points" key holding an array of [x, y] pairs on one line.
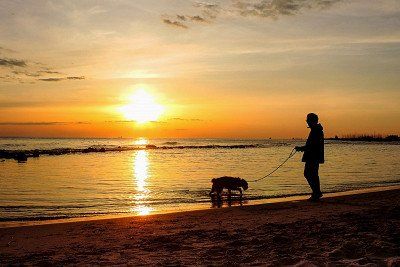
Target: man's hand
{"points": [[299, 148]]}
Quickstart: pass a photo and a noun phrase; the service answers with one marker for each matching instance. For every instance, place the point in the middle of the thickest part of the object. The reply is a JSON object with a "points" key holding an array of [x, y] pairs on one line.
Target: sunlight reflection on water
{"points": [[141, 141], [140, 170]]}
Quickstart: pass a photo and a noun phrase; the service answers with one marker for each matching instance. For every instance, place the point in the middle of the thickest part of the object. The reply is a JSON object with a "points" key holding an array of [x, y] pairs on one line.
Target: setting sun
{"points": [[142, 108]]}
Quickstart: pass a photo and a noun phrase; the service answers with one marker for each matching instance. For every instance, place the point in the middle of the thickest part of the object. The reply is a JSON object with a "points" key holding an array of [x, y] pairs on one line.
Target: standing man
{"points": [[313, 155]]}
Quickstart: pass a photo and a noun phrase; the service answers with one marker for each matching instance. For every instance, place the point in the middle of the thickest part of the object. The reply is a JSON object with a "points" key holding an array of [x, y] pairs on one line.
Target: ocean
{"points": [[145, 176]]}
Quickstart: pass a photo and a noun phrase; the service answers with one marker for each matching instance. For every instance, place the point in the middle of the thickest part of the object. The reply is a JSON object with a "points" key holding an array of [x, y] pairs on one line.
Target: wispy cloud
{"points": [[175, 23], [26, 73], [43, 123], [260, 8], [120, 121], [133, 121], [49, 72], [276, 8], [185, 119], [208, 12], [51, 79], [22, 71], [75, 78], [181, 17], [198, 18], [11, 62], [58, 79]]}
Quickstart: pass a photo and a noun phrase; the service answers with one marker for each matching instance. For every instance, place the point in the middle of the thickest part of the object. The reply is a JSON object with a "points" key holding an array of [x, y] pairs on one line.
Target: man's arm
{"points": [[300, 148]]}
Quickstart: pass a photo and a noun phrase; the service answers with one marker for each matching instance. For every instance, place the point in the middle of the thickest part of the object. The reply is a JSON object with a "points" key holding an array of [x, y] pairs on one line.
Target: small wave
{"points": [[53, 217], [13, 145]]}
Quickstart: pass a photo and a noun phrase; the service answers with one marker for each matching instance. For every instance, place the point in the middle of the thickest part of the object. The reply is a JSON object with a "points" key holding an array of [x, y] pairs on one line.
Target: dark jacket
{"points": [[314, 148]]}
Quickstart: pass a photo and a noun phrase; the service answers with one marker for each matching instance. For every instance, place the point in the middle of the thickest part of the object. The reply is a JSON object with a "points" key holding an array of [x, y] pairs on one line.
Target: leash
{"points": [[290, 155]]}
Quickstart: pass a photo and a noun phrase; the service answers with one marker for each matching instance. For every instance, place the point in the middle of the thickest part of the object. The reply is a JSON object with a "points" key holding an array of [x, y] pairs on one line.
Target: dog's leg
{"points": [[219, 192], [241, 193], [212, 191]]}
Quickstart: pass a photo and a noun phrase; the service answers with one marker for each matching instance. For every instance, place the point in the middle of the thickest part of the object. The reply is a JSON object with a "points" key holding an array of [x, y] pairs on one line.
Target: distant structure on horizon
{"points": [[367, 137]]}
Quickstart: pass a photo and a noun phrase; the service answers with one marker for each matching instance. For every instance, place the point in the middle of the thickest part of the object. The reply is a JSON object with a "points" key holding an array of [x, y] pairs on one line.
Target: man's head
{"points": [[312, 119]]}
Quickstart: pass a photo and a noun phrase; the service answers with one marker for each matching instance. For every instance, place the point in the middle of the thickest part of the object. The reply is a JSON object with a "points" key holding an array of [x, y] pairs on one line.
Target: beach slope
{"points": [[342, 230]]}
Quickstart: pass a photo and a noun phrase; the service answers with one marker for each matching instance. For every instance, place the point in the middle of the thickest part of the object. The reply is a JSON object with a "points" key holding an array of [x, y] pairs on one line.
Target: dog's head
{"points": [[244, 184]]}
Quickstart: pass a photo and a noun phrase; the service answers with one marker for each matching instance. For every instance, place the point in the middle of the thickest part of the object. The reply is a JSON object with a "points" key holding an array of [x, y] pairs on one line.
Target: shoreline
{"points": [[350, 229], [196, 207]]}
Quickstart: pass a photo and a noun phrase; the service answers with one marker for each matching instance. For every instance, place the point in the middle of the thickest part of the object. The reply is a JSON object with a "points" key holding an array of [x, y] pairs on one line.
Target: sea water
{"points": [[174, 175]]}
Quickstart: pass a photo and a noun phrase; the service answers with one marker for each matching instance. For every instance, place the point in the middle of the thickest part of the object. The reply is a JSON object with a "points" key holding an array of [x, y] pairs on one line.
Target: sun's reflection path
{"points": [[141, 141], [140, 168]]}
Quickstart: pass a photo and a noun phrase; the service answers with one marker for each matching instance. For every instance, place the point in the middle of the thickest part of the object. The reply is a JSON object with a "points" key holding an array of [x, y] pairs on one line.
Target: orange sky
{"points": [[225, 69]]}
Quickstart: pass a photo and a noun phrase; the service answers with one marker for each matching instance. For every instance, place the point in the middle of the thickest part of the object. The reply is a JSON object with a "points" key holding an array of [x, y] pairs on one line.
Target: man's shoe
{"points": [[319, 195], [315, 198]]}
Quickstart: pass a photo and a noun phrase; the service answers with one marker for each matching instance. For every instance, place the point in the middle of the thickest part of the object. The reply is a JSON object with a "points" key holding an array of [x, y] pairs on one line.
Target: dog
{"points": [[230, 183]]}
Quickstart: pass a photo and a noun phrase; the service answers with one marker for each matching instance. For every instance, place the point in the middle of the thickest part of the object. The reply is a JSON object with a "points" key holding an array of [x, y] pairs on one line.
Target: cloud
{"points": [[192, 18], [184, 119], [208, 12], [175, 23], [10, 62], [51, 79], [133, 121], [198, 19], [75, 78], [58, 79], [277, 8], [22, 104], [181, 17], [24, 71], [158, 122], [41, 123], [49, 72], [120, 121], [260, 8]]}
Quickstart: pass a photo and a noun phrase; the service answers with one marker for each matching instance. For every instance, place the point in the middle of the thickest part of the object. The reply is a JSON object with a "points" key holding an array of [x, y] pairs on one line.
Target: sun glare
{"points": [[141, 141], [142, 108]]}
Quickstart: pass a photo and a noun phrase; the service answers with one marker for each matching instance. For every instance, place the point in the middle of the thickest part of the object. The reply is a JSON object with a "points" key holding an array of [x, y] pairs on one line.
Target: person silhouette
{"points": [[313, 155]]}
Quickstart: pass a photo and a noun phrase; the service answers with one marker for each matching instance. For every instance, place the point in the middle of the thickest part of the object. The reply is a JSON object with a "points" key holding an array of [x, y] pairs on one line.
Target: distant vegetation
{"points": [[367, 137]]}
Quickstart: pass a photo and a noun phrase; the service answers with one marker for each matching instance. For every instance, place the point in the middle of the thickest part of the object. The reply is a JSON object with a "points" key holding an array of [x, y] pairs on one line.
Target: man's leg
{"points": [[311, 174], [317, 183], [308, 175]]}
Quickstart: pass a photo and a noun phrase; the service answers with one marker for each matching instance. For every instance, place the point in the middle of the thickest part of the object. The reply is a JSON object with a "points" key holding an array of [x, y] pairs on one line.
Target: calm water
{"points": [[148, 181]]}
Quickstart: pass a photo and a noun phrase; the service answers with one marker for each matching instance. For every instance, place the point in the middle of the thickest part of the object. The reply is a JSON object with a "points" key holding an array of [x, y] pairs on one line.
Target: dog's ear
{"points": [[245, 185]]}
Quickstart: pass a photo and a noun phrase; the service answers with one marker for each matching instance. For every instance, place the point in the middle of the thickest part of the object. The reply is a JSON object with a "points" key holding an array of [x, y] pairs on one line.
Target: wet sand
{"points": [[358, 229]]}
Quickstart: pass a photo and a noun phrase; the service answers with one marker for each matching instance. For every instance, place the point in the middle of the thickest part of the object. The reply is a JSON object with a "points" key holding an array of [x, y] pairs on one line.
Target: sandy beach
{"points": [[357, 229]]}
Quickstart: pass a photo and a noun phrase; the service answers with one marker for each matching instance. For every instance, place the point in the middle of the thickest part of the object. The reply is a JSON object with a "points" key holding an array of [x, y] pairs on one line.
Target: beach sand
{"points": [[358, 229]]}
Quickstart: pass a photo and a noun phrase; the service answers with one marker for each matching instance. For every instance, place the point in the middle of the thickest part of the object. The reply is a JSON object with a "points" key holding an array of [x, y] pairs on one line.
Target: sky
{"points": [[224, 69]]}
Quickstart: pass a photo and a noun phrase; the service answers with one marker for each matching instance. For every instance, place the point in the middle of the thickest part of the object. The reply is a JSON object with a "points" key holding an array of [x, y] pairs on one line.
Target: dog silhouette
{"points": [[228, 182]]}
